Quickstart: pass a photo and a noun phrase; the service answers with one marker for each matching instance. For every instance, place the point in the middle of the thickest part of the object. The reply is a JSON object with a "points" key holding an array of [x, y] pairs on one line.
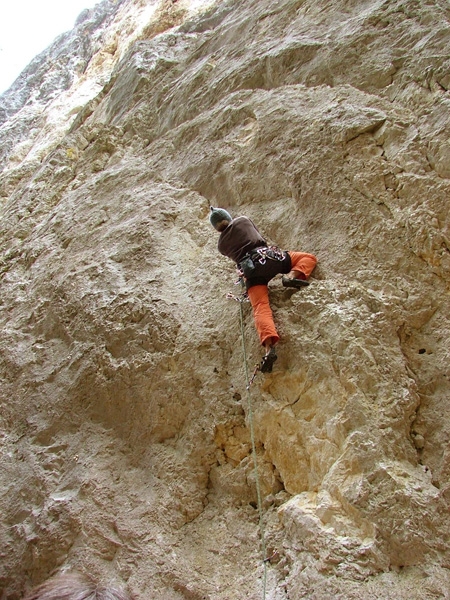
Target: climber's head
{"points": [[219, 218]]}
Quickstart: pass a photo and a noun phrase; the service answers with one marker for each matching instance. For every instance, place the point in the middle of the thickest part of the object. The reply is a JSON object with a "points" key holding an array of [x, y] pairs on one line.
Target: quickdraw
{"points": [[240, 281], [242, 298], [252, 378]]}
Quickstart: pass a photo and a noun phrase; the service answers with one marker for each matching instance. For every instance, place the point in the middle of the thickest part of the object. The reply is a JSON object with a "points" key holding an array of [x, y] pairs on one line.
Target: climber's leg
{"points": [[302, 265], [262, 314]]}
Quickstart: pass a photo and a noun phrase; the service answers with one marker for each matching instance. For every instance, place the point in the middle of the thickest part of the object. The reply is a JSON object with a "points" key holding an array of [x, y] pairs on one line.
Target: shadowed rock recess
{"points": [[125, 422]]}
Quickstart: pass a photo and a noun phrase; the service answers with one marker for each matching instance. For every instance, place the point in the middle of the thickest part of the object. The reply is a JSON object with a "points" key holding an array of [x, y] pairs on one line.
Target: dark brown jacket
{"points": [[238, 238]]}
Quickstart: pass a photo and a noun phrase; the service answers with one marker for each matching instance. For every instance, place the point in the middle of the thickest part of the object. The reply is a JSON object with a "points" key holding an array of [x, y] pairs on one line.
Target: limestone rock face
{"points": [[126, 425]]}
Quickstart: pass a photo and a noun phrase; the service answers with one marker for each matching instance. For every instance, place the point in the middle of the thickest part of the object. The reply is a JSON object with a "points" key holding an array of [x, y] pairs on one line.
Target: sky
{"points": [[27, 27]]}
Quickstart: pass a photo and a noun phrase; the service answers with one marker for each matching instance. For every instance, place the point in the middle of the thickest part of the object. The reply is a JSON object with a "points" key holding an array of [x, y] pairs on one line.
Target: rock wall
{"points": [[125, 420]]}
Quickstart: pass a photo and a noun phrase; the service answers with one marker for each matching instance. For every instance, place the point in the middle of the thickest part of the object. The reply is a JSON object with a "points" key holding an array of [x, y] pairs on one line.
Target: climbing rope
{"points": [[244, 298], [255, 461]]}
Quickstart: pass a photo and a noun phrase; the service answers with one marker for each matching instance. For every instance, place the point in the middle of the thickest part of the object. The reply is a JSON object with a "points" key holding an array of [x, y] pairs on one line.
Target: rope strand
{"points": [[255, 461]]}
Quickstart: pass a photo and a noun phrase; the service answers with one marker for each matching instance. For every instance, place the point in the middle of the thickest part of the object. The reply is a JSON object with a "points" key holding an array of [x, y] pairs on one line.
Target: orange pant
{"points": [[303, 262], [258, 295]]}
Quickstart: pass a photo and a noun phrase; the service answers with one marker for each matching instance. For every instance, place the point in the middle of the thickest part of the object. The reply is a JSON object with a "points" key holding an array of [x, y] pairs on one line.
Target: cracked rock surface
{"points": [[125, 422]]}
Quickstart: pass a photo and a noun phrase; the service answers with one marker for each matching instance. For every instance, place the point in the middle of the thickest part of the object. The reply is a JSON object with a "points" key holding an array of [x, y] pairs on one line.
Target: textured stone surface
{"points": [[125, 420]]}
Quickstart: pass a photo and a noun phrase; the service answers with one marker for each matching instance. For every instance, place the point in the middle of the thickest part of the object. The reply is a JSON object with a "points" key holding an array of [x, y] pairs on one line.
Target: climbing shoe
{"points": [[268, 360], [294, 283]]}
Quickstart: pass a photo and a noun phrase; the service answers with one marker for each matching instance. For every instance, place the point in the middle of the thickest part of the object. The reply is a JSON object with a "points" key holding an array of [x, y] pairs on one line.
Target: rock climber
{"points": [[258, 263]]}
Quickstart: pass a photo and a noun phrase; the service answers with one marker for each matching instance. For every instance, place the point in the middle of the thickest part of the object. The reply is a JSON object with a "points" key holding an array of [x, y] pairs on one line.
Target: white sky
{"points": [[27, 27]]}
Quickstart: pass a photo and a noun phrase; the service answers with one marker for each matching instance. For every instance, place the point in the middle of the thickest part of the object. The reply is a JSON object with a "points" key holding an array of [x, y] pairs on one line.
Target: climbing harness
{"points": [[260, 255], [265, 559], [271, 253]]}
